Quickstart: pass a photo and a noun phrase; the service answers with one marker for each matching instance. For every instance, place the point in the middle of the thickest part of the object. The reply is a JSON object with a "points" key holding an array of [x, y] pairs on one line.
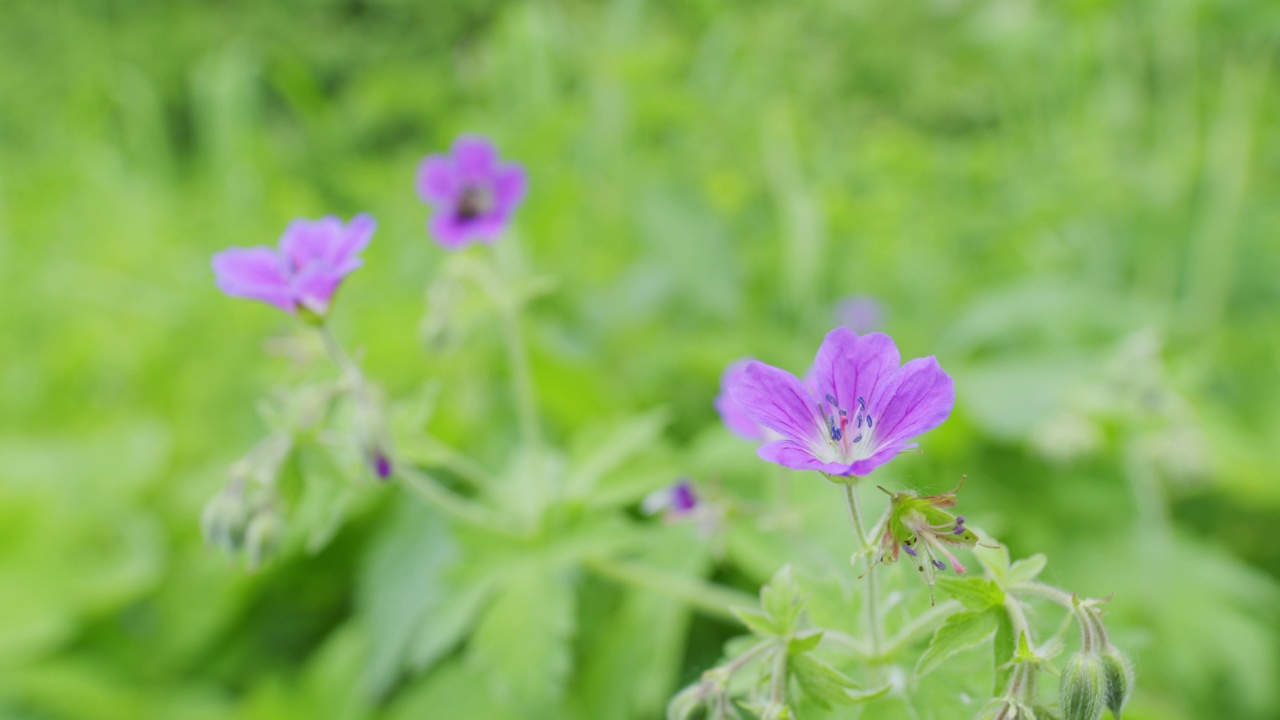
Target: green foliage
{"points": [[1070, 204]]}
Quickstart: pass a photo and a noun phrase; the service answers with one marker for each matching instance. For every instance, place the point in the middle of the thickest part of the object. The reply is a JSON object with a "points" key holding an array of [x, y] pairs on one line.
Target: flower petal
{"points": [[447, 231], [315, 286], [474, 157], [256, 273], [798, 456], [436, 182], [916, 399], [775, 399], [354, 239], [732, 414], [509, 185], [310, 241], [849, 367]]}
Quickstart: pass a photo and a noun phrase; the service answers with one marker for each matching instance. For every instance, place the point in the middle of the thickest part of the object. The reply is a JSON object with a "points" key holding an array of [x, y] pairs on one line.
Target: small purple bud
{"points": [[381, 465], [907, 547], [683, 499]]}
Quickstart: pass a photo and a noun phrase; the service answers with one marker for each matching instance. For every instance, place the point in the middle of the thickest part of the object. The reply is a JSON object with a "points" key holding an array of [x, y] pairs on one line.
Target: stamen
{"points": [[939, 564], [831, 399], [868, 419], [862, 405], [959, 530], [907, 547], [857, 439]]}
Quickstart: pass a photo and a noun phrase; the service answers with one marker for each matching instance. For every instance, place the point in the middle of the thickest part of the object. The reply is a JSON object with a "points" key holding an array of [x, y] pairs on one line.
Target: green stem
{"points": [[873, 612], [441, 497], [778, 681], [919, 625], [486, 278], [710, 598]]}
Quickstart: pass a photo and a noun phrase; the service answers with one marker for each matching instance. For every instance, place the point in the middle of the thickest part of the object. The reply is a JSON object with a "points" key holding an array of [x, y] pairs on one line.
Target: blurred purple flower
{"points": [[474, 195], [860, 313], [304, 273], [859, 410]]}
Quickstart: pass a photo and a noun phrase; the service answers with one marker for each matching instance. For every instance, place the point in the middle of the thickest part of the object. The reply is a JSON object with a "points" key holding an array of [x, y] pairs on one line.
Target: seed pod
{"points": [[1082, 690], [1119, 674]]}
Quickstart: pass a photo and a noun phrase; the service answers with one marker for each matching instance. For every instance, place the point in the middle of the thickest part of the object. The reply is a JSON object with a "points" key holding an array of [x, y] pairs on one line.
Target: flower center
{"points": [[476, 201], [838, 427]]}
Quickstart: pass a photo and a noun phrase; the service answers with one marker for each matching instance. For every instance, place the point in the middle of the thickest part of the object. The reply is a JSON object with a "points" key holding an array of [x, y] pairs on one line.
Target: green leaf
{"points": [[443, 625], [1002, 652], [824, 684], [994, 559], [974, 593], [1026, 569], [804, 642], [523, 641], [608, 453], [757, 622], [781, 599], [960, 632]]}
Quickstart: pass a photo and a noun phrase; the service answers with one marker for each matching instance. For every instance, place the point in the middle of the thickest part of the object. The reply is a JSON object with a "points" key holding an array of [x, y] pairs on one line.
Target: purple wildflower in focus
{"points": [[860, 313], [304, 273], [473, 193], [858, 411]]}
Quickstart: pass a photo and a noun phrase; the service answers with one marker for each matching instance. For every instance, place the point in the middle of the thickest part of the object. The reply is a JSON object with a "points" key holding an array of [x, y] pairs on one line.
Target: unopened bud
{"points": [[1082, 690], [223, 520], [262, 537], [1119, 674]]}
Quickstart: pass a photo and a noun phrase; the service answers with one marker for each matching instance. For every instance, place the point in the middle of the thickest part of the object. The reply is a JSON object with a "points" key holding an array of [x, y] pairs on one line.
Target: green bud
{"points": [[223, 520], [262, 537], [1119, 674], [1082, 690]]}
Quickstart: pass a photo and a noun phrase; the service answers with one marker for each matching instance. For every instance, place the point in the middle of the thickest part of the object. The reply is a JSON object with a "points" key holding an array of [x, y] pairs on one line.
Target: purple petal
{"points": [[917, 398], [315, 286], [354, 239], [732, 414], [683, 499], [475, 157], [775, 399], [305, 242], [447, 231], [255, 273], [509, 185], [436, 182], [849, 367], [882, 455]]}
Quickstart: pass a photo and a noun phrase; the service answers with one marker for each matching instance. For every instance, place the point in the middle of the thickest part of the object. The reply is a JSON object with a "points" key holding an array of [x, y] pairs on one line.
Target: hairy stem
{"points": [[921, 624], [437, 495], [778, 681], [873, 613]]}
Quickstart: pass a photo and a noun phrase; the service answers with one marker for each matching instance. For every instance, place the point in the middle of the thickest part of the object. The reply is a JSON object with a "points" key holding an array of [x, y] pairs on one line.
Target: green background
{"points": [[1072, 204]]}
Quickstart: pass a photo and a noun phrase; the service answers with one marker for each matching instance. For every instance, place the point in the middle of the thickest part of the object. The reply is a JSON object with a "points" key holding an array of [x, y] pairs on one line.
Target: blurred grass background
{"points": [[1072, 204]]}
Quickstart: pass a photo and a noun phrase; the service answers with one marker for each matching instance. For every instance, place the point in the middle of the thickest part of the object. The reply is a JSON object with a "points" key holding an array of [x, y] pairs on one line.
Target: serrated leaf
{"points": [[781, 599], [756, 621], [974, 593], [960, 632], [1026, 569], [615, 448], [804, 642], [523, 640], [824, 684]]}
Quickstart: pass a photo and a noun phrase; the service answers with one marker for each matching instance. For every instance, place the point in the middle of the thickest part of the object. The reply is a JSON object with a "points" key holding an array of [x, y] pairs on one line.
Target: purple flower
{"points": [[474, 194], [313, 258], [858, 411], [731, 413], [860, 313]]}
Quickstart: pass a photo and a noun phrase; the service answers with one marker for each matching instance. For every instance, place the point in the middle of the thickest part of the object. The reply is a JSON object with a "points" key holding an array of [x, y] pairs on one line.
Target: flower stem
{"points": [[873, 613], [485, 276], [713, 599], [437, 495], [778, 681]]}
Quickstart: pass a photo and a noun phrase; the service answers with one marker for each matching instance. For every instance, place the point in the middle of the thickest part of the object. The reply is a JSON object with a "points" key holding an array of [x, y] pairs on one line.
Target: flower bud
{"points": [[262, 537], [1082, 689], [1119, 674], [223, 520]]}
